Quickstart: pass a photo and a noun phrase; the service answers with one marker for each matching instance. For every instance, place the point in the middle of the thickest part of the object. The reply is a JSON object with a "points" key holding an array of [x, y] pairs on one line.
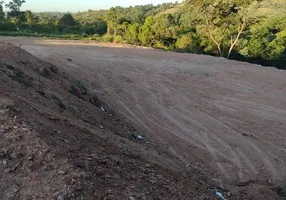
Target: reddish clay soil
{"points": [[224, 118]]}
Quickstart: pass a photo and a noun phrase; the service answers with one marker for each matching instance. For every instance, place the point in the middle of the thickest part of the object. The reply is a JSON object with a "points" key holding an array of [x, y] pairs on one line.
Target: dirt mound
{"points": [[59, 141]]}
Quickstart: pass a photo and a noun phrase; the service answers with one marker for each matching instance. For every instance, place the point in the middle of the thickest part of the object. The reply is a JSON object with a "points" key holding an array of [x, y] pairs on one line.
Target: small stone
{"points": [[4, 162], [15, 188], [15, 127], [15, 117], [7, 170], [101, 127], [61, 172], [132, 198], [228, 194], [17, 110], [60, 197], [14, 168]]}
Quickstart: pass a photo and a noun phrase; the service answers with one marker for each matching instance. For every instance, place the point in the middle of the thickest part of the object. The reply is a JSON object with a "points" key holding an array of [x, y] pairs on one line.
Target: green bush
{"points": [[95, 37], [118, 39], [6, 26], [107, 38]]}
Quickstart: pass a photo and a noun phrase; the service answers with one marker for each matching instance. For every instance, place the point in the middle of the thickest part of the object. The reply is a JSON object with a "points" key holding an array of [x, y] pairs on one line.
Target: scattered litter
{"points": [[103, 109], [281, 192], [101, 127], [15, 188], [61, 172], [140, 137], [68, 59], [219, 195]]}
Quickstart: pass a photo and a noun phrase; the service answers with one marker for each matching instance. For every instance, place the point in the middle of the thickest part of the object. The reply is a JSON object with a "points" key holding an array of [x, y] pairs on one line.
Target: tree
{"points": [[165, 30], [116, 20], [29, 17], [15, 5], [189, 42], [15, 15], [132, 33], [266, 43], [2, 14], [67, 21], [147, 36], [224, 22]]}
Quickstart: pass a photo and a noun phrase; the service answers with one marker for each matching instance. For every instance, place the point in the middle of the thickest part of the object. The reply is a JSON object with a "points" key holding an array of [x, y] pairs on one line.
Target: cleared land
{"points": [[224, 117]]}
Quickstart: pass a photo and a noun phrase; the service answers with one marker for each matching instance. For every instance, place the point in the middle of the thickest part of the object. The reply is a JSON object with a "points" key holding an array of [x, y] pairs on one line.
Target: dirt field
{"points": [[224, 117]]}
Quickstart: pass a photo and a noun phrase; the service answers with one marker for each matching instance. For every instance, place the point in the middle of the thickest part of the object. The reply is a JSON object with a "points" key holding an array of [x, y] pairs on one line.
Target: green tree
{"points": [[14, 14], [2, 14], [29, 17], [15, 5], [116, 20], [165, 30], [189, 42], [266, 43], [67, 21], [132, 33], [147, 36], [223, 22]]}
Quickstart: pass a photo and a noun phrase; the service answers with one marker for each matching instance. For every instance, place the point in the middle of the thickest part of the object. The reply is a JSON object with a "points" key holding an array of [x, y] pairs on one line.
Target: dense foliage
{"points": [[250, 30]]}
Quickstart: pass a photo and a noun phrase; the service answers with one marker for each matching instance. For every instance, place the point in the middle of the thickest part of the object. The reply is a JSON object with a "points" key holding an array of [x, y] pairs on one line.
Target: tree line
{"points": [[248, 30]]}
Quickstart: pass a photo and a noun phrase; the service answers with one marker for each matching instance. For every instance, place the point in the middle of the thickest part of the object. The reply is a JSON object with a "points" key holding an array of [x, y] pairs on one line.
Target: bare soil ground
{"points": [[224, 118]]}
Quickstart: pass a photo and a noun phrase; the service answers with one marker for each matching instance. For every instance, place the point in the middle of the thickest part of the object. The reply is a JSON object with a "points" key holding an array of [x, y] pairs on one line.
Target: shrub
{"points": [[107, 38], [118, 39]]}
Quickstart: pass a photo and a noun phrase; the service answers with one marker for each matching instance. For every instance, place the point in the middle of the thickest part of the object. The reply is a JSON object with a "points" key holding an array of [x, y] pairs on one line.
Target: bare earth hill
{"points": [[207, 123], [58, 141]]}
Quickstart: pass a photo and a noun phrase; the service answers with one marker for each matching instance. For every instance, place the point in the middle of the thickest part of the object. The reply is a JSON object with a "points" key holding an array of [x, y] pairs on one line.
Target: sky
{"points": [[82, 5]]}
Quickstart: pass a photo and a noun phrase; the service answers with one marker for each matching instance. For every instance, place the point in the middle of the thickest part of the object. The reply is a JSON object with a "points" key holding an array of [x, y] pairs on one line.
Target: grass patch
{"points": [[78, 89], [17, 75], [59, 102]]}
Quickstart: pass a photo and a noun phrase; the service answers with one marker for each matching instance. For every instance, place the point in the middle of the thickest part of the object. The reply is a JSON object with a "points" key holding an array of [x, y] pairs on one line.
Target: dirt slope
{"points": [[223, 117], [59, 141]]}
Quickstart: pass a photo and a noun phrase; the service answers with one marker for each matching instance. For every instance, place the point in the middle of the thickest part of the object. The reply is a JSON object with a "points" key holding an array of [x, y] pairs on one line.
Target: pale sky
{"points": [[82, 5]]}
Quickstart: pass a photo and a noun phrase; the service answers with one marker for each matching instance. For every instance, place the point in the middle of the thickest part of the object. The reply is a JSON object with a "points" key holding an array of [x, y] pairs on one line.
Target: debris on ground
{"points": [[281, 192], [138, 136], [219, 195]]}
